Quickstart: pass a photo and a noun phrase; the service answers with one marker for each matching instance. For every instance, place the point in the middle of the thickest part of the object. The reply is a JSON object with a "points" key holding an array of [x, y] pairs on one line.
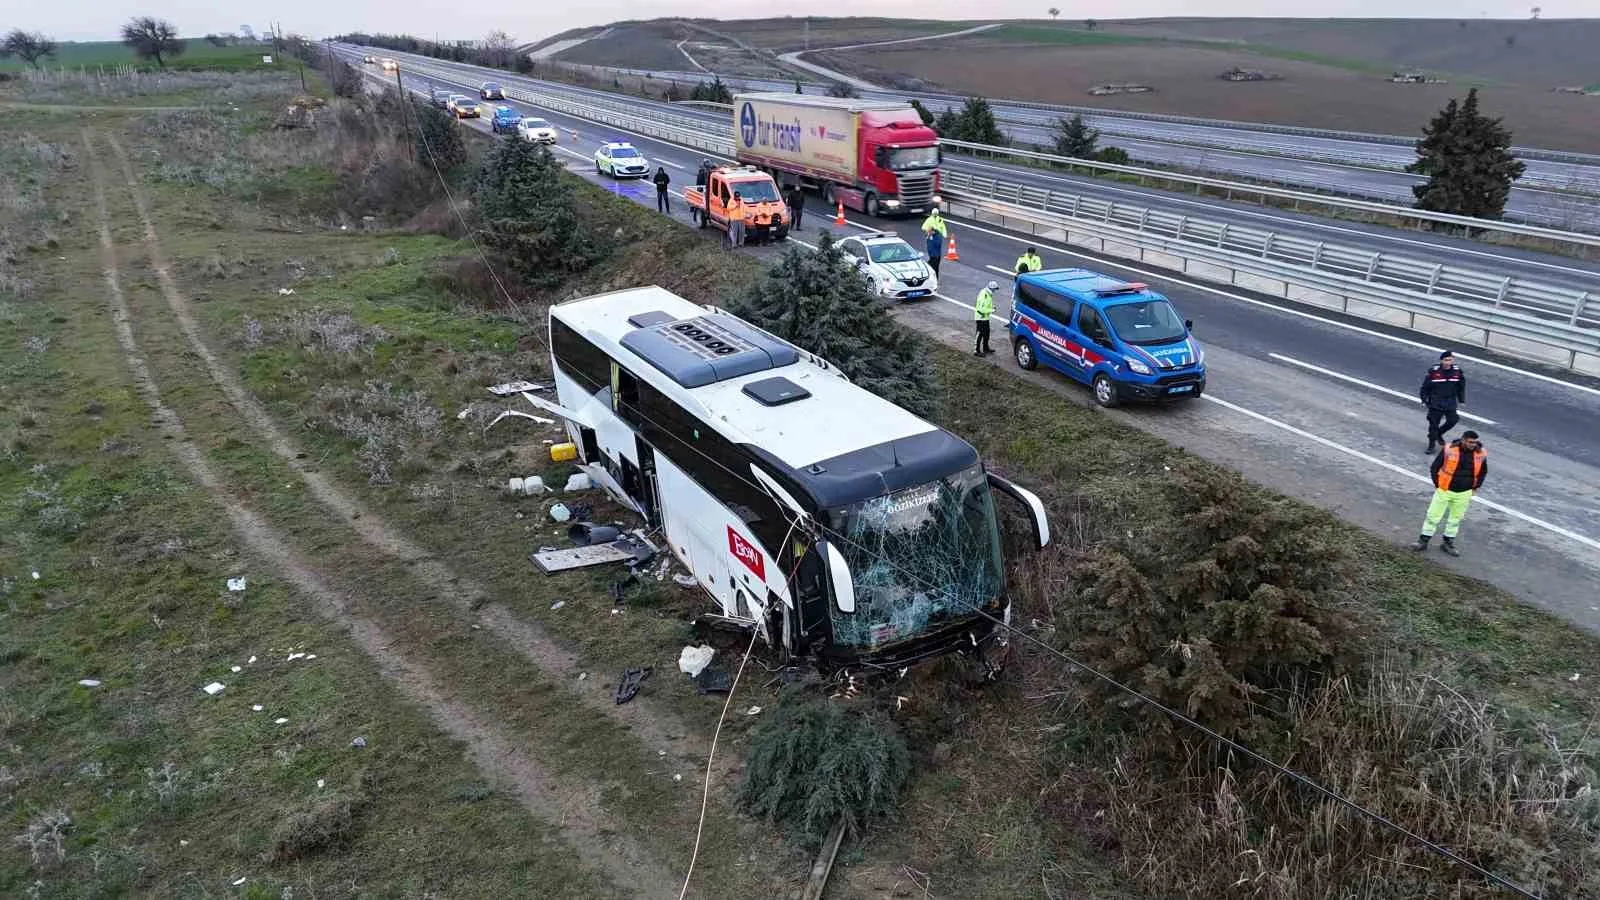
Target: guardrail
{"points": [[1430, 297], [1403, 213], [1558, 324]]}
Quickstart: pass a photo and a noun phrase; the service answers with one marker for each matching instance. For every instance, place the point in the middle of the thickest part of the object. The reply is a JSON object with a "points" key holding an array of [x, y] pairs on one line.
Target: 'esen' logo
{"points": [[747, 553]]}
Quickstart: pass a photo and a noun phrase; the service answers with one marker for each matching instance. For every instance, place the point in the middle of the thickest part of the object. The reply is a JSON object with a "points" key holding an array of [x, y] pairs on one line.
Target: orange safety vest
{"points": [[735, 211], [1452, 458]]}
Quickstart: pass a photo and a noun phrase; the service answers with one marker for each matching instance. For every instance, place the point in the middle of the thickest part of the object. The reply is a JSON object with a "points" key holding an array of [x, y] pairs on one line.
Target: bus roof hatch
{"points": [[708, 349]]}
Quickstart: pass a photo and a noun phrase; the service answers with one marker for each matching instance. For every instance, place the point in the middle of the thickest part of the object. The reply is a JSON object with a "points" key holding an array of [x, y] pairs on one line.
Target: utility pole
{"points": [[405, 108]]}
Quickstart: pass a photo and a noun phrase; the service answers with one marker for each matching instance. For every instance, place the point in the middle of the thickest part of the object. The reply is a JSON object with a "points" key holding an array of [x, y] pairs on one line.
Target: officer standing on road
{"points": [[1443, 389], [704, 174], [1029, 261], [1458, 472], [797, 206], [981, 312], [933, 226], [662, 179]]}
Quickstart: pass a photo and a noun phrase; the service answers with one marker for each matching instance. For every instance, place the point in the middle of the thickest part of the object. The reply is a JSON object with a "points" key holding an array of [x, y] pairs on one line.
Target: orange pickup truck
{"points": [[766, 216]]}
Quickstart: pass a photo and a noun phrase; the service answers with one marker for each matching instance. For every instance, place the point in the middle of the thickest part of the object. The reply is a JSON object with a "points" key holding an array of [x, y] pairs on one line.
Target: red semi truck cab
{"points": [[874, 155]]}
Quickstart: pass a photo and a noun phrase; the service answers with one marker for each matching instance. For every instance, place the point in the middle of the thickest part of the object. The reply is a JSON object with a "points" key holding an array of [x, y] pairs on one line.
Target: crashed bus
{"points": [[841, 527]]}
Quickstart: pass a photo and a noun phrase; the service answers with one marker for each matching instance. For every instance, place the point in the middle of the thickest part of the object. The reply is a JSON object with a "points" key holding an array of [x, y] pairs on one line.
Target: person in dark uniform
{"points": [[662, 179], [704, 174], [1443, 389], [797, 206]]}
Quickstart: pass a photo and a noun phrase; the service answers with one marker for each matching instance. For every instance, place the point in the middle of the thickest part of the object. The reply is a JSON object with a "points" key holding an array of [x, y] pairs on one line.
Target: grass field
{"points": [[312, 421], [198, 54]]}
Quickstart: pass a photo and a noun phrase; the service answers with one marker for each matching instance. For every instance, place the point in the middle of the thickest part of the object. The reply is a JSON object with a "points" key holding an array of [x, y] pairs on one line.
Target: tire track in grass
{"points": [[575, 813], [655, 725]]}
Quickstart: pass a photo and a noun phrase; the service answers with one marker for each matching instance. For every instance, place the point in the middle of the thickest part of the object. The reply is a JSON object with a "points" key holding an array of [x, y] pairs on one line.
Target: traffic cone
{"points": [[838, 218], [950, 250]]}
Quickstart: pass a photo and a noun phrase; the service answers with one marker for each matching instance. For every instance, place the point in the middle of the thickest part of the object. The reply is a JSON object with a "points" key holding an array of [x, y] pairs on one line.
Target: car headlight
{"points": [[1139, 367], [1199, 355]]}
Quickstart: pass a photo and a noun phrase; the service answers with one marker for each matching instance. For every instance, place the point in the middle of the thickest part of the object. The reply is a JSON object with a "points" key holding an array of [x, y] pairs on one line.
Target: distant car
{"points": [[439, 98], [491, 91], [390, 65], [505, 120], [537, 130], [620, 160], [463, 107], [370, 60], [892, 267]]}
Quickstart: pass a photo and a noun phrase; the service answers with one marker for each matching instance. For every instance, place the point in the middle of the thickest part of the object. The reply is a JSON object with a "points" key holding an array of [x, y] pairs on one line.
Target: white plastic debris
{"points": [[284, 292], [359, 742], [560, 513], [311, 656], [256, 707], [294, 656], [238, 881], [236, 585], [531, 485], [753, 711], [693, 660], [321, 784], [582, 676], [280, 721], [182, 842], [35, 574], [683, 580], [466, 411], [677, 778], [557, 605], [1575, 676], [95, 682], [250, 660], [214, 688], [578, 482]]}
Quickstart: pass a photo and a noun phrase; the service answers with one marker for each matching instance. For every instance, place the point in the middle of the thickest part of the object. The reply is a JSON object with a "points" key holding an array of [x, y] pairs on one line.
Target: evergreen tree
{"points": [[713, 91], [819, 302], [1467, 159], [922, 112], [438, 137], [1114, 155], [842, 89], [947, 124], [529, 213], [976, 123], [1075, 138]]}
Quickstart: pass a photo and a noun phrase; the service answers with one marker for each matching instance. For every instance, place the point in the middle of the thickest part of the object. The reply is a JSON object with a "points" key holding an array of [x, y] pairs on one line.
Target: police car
{"points": [[619, 160], [894, 268]]}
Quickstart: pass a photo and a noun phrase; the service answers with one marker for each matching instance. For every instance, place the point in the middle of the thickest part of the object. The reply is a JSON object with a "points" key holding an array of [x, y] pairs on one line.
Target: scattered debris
{"points": [[284, 292], [566, 452], [256, 707], [620, 588], [238, 881], [294, 656], [683, 580], [250, 660], [1575, 676], [579, 482], [588, 534], [632, 548], [516, 387], [35, 574], [236, 669], [531, 485], [236, 585], [560, 513], [632, 679], [693, 660], [359, 742], [557, 605], [753, 711], [714, 680], [280, 721], [95, 682], [511, 413], [677, 778], [214, 688], [321, 784]]}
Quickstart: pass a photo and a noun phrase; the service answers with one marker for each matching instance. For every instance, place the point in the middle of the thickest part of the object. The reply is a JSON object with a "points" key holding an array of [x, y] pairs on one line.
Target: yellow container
{"points": [[563, 452]]}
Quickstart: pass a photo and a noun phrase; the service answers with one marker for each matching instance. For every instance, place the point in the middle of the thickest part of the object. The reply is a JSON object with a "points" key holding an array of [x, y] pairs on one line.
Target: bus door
{"points": [[649, 489]]}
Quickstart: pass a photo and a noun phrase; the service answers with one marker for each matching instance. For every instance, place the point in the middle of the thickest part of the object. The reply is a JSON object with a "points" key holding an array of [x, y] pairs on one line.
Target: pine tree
{"points": [[528, 212], [947, 124], [976, 123], [1075, 138], [1467, 159], [922, 111], [438, 137], [819, 302]]}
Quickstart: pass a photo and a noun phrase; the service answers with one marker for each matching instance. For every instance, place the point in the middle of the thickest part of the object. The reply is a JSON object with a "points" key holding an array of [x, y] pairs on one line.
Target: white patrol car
{"points": [[894, 268], [619, 160], [533, 128]]}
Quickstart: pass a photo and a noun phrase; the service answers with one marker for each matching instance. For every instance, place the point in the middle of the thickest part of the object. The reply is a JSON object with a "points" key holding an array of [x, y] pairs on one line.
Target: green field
{"points": [[198, 54]]}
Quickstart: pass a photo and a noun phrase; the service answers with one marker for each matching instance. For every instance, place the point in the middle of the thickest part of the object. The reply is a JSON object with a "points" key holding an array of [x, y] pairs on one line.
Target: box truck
{"points": [[875, 156]]}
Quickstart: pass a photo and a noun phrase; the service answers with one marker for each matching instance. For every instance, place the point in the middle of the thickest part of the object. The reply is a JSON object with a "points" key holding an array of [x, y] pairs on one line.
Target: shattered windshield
{"points": [[919, 557]]}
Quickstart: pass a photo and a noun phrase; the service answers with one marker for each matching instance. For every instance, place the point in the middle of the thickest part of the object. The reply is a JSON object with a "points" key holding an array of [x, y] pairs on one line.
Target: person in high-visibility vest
{"points": [[981, 311], [736, 221], [933, 226], [1458, 472], [1029, 261]]}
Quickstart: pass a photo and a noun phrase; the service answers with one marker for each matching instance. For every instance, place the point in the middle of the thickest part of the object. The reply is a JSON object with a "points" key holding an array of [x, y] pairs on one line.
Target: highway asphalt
{"points": [[1318, 406], [1550, 193]]}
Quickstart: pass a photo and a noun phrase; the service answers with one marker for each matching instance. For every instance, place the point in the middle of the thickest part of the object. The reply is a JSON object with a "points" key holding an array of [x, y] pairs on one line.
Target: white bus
{"points": [[840, 526]]}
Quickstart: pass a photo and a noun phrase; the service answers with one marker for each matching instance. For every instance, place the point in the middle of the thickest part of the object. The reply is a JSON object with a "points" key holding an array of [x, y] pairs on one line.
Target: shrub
{"points": [[529, 213], [814, 762], [819, 302], [1232, 597], [322, 825]]}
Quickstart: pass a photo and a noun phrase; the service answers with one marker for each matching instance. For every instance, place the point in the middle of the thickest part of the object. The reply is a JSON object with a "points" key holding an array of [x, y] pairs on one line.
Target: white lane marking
{"points": [[1367, 384], [1283, 309], [1398, 470], [1438, 248], [673, 164]]}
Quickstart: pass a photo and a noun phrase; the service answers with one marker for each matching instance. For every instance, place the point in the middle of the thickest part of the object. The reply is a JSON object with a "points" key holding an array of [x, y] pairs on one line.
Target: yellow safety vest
{"points": [[935, 223], [1029, 263]]}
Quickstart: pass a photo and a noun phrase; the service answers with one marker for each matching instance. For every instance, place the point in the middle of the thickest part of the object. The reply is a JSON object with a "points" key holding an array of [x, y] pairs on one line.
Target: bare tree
{"points": [[498, 49], [1090, 24], [29, 46], [152, 38], [1055, 13]]}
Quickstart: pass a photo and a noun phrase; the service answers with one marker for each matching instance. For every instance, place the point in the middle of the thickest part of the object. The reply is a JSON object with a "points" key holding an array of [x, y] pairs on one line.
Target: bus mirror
{"points": [[1035, 507], [1188, 324], [844, 587], [778, 493]]}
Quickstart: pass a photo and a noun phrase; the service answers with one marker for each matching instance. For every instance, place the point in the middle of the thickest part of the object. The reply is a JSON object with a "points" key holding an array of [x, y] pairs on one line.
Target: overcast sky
{"points": [[529, 21]]}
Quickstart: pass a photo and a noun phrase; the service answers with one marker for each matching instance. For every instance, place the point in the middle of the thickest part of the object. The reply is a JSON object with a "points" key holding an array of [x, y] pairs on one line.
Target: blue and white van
{"points": [[1120, 338]]}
